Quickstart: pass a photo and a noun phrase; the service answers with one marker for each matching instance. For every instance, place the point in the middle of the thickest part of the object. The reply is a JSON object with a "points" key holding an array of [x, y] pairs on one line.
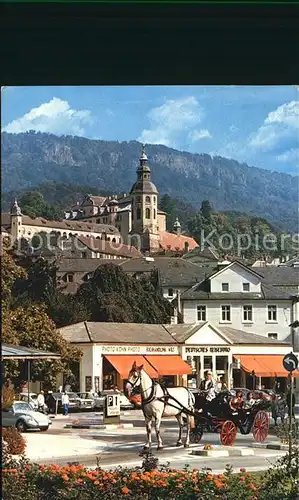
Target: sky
{"points": [[254, 125]]}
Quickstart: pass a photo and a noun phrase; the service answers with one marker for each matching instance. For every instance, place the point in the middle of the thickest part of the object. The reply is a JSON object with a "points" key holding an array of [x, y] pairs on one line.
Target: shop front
{"points": [[175, 354], [236, 358], [159, 362]]}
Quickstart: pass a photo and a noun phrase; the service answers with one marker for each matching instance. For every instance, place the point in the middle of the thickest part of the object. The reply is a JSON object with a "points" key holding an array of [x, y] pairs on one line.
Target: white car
{"points": [[124, 402], [32, 400], [22, 416], [87, 401]]}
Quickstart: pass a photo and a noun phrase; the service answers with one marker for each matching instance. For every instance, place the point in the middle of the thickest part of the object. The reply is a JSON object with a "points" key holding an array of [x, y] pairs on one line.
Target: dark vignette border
{"points": [[148, 44]]}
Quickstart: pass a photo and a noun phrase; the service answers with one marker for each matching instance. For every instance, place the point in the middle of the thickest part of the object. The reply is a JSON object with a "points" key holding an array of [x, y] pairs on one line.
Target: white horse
{"points": [[158, 403]]}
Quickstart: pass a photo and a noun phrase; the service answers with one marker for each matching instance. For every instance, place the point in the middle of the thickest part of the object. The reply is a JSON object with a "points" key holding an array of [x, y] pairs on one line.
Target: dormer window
{"points": [[225, 287], [246, 287]]}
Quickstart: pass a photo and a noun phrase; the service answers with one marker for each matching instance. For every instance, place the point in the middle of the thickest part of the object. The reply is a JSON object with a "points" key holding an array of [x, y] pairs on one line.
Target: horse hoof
{"points": [[159, 448], [179, 444], [186, 445]]}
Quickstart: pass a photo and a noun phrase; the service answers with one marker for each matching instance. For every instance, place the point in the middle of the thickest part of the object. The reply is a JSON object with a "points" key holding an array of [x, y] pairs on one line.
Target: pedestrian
{"points": [[41, 401], [281, 407], [274, 408], [291, 403], [65, 403]]}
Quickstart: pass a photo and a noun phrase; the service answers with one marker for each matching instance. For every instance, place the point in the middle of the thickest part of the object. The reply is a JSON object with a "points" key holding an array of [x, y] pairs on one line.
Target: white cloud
{"points": [[110, 112], [289, 156], [55, 116], [197, 135], [280, 127], [170, 120]]}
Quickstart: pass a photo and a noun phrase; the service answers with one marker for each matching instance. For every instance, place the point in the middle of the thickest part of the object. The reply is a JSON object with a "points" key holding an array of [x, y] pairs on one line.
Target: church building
{"points": [[136, 216]]}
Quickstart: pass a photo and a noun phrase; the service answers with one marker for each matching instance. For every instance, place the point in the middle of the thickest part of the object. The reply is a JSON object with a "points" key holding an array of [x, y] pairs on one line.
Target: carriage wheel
{"points": [[228, 433], [196, 434], [260, 427]]}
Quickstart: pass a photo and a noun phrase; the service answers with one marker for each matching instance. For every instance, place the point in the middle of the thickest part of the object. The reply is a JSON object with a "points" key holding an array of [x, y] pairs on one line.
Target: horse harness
{"points": [[165, 399]]}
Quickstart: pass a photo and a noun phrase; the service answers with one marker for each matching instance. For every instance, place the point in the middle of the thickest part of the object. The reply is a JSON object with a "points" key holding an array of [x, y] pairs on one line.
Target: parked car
{"points": [[100, 398], [54, 400], [87, 401], [23, 396], [22, 416]]}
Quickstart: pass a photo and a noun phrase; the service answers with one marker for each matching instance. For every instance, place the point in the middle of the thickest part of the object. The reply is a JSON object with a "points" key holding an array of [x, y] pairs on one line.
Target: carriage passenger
{"points": [[249, 400], [237, 402]]}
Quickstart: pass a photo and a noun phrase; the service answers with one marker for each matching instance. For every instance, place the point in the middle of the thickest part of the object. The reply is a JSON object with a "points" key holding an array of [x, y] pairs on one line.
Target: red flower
{"points": [[242, 469], [125, 490]]}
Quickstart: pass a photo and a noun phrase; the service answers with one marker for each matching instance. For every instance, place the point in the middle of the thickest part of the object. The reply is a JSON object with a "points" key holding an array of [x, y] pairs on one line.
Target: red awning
{"points": [[123, 364], [169, 365], [264, 365]]}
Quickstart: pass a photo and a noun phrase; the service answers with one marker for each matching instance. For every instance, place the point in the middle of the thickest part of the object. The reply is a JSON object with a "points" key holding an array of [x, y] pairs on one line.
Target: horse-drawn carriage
{"points": [[218, 416]]}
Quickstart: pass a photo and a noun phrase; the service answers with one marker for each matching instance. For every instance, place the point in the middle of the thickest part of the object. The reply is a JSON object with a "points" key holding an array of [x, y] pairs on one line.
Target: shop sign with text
{"points": [[205, 349], [135, 349]]}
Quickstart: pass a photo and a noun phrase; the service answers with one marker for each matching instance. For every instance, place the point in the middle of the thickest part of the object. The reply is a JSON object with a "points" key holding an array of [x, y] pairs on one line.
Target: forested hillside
{"points": [[30, 159]]}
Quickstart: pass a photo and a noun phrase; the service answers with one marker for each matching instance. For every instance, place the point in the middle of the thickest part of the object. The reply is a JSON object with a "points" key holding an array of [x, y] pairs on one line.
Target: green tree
{"points": [[10, 272], [26, 323], [114, 296], [32, 327], [32, 203], [206, 210]]}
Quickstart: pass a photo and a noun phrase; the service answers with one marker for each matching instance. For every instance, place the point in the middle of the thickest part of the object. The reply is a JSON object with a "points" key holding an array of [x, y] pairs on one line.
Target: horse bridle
{"points": [[133, 384], [152, 394]]}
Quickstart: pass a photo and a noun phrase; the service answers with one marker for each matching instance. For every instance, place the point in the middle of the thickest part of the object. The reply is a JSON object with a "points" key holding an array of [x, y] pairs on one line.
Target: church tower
{"points": [[144, 196], [15, 221]]}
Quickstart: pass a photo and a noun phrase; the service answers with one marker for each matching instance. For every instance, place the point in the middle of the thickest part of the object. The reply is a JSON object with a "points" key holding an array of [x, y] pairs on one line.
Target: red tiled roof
{"points": [[108, 247], [176, 242]]}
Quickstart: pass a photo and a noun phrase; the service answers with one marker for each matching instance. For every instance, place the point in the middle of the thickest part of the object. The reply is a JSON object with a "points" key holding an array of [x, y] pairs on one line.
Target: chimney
{"points": [[179, 301], [174, 318]]}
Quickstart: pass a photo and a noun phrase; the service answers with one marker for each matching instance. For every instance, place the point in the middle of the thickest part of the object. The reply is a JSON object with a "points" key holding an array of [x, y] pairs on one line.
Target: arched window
{"points": [[138, 213], [147, 213], [154, 199], [154, 213], [147, 199], [138, 199]]}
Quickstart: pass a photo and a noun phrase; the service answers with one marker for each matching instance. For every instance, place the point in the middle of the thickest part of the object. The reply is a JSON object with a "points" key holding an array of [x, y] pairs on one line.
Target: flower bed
{"points": [[78, 482], [28, 481]]}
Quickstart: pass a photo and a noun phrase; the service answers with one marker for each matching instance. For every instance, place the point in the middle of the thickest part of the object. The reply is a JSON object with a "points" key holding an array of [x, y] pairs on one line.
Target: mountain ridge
{"points": [[30, 159]]}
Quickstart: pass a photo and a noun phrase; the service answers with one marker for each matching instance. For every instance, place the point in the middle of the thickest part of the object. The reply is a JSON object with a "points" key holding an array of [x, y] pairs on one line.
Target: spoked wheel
{"points": [[260, 426], [196, 434], [228, 433]]}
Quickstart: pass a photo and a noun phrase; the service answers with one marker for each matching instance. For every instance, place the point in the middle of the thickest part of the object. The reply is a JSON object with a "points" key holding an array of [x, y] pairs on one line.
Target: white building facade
{"points": [[236, 296]]}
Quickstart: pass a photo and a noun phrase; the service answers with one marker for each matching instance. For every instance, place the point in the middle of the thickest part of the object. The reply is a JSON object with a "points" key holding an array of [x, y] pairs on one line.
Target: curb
{"points": [[272, 446], [99, 426], [231, 452]]}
